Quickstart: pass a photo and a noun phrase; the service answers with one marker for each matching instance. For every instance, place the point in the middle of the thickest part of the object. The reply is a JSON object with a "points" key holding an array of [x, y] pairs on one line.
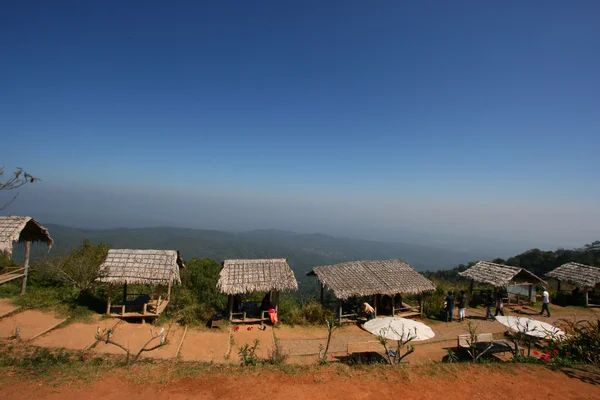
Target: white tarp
{"points": [[399, 328], [530, 327]]}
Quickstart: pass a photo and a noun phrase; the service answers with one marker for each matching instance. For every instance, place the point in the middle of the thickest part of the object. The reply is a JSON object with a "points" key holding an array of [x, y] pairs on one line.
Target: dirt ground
{"points": [[75, 336], [6, 307], [135, 336], [464, 382], [206, 346], [30, 322]]}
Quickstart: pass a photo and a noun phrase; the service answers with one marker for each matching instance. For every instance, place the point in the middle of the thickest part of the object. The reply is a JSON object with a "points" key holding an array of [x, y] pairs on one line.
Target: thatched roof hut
{"points": [[365, 278], [246, 276], [499, 275], [581, 275], [148, 267], [21, 229]]}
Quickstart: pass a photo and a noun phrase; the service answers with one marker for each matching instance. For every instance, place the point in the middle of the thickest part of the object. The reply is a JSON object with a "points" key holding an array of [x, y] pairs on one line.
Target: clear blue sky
{"points": [[388, 102]]}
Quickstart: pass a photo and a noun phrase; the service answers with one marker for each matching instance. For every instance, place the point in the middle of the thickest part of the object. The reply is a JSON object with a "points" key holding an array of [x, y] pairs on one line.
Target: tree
{"points": [[79, 268], [18, 179]]}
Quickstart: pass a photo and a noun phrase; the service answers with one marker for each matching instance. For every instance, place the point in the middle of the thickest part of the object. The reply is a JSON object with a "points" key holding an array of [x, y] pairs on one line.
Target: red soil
{"points": [[30, 322], [472, 382]]}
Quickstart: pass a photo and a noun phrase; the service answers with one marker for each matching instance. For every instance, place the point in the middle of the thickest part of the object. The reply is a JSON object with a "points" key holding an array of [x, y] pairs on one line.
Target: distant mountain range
{"points": [[303, 251]]}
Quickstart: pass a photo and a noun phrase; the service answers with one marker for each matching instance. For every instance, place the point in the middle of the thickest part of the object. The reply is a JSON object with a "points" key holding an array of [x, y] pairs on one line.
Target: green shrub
{"points": [[248, 355], [582, 342], [312, 312]]}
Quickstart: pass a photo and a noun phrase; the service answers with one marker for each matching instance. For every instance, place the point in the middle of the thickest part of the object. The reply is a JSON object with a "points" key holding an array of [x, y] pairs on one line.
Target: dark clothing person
{"points": [[449, 307], [499, 304], [487, 299]]}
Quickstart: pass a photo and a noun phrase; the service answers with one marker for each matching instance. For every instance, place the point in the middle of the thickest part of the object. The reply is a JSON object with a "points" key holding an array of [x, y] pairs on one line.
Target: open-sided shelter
{"points": [[23, 230], [504, 276], [371, 278], [159, 268], [259, 275], [581, 276]]}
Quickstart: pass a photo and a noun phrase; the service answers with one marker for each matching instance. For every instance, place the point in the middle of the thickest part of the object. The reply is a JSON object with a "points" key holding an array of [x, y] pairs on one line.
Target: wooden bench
{"points": [[243, 318], [369, 352], [482, 341]]}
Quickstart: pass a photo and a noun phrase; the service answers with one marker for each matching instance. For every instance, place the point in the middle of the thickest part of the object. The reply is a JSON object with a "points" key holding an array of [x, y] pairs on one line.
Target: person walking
{"points": [[449, 306], [462, 306], [499, 304], [545, 302]]}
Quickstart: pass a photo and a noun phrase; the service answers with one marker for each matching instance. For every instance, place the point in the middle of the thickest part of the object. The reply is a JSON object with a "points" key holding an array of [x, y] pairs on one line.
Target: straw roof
{"points": [[21, 229], [499, 275], [148, 267], [245, 276], [581, 275], [364, 278]]}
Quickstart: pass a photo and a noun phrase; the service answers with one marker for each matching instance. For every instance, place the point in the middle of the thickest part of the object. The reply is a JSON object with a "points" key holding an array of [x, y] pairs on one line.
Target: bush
{"points": [[248, 355], [312, 312], [568, 299], [582, 342]]}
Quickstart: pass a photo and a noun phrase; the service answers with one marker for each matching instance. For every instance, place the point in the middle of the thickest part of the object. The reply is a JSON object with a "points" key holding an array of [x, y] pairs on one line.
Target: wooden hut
{"points": [[504, 276], [247, 276], [581, 276], [372, 278], [23, 230], [123, 267]]}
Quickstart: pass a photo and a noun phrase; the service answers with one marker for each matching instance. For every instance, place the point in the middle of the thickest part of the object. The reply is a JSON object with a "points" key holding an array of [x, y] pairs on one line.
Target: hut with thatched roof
{"points": [[23, 230], [503, 276], [372, 278], [581, 276], [125, 267], [247, 276]]}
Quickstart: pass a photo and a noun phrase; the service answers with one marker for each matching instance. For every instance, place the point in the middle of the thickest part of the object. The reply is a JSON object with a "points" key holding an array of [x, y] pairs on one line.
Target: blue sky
{"points": [[390, 106]]}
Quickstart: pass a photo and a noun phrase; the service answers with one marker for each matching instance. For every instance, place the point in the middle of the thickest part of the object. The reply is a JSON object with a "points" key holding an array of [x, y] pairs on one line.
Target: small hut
{"points": [[23, 230], [372, 278], [247, 276], [518, 282], [159, 268], [581, 276]]}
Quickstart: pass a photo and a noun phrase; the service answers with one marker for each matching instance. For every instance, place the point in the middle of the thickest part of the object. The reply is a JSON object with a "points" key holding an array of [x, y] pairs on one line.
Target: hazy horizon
{"points": [[465, 125]]}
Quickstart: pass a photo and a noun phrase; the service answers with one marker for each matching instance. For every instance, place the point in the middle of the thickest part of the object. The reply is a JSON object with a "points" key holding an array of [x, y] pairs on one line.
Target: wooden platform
{"points": [[149, 311]]}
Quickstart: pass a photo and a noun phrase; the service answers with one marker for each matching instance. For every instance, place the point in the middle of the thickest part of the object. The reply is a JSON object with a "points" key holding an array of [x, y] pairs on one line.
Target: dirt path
{"points": [[462, 382]]}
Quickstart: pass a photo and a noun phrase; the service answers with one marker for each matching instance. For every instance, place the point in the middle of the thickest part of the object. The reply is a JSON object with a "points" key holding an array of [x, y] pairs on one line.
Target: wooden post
{"points": [[230, 307], [322, 293], [108, 301], [340, 315], [25, 266], [375, 304], [531, 294], [471, 287], [558, 286], [586, 300], [169, 291], [393, 305], [421, 304]]}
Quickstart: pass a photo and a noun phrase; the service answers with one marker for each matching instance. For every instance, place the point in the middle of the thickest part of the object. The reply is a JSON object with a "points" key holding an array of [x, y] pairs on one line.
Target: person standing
{"points": [[462, 306], [449, 306], [499, 303], [488, 305], [545, 302]]}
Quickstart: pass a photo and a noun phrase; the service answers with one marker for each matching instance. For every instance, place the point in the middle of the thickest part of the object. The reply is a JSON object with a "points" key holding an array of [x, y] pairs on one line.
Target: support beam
{"points": [[230, 307], [586, 299], [322, 293], [471, 287], [169, 291], [109, 293], [393, 305], [421, 304], [558, 286], [125, 293], [25, 266], [531, 299], [340, 311], [375, 304]]}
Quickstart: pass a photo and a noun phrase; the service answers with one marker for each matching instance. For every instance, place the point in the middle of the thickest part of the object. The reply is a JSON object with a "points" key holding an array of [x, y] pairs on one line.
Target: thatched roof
{"points": [[21, 229], [148, 267], [499, 275], [364, 278], [581, 275], [245, 276]]}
